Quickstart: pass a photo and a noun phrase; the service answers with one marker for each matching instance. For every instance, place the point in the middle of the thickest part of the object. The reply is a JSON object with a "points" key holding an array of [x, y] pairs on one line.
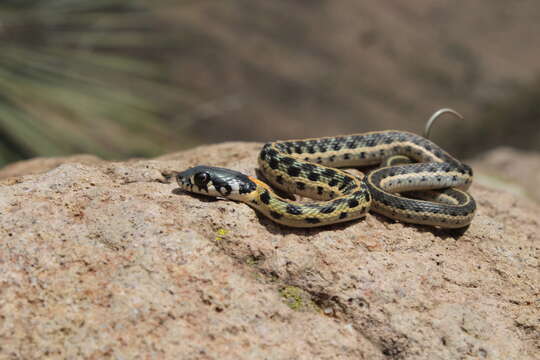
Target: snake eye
{"points": [[201, 179]]}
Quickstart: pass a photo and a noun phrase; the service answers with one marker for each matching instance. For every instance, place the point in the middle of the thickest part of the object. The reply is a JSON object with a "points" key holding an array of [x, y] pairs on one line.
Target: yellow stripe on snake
{"points": [[402, 189]]}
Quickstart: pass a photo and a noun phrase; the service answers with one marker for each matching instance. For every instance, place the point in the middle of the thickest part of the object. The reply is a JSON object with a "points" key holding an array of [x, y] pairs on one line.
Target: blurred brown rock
{"points": [[107, 260], [511, 169]]}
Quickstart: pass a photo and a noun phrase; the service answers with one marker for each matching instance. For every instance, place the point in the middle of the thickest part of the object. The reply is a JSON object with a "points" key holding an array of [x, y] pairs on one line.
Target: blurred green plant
{"points": [[83, 76]]}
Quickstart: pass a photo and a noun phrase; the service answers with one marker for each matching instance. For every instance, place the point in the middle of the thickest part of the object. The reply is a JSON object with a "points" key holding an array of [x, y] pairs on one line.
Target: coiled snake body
{"points": [[309, 168]]}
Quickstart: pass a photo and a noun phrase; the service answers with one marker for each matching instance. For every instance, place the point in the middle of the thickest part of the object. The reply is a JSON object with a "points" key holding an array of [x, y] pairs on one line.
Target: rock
{"points": [[511, 169], [40, 164], [108, 260]]}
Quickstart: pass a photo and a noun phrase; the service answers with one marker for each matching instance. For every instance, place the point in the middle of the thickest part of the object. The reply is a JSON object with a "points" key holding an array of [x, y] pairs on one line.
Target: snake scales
{"points": [[411, 166]]}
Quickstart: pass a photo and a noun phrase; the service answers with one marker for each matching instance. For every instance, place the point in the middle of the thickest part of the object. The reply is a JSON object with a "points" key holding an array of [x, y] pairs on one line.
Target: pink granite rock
{"points": [[107, 260]]}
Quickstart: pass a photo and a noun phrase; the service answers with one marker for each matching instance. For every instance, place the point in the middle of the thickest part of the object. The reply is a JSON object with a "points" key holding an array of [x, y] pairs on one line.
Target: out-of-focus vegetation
{"points": [[82, 76], [123, 78]]}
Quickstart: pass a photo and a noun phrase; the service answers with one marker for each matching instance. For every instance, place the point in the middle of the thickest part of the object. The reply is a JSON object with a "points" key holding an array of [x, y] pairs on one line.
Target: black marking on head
{"points": [[312, 220], [222, 179], [276, 215], [353, 203], [265, 197], [201, 180], [293, 209], [300, 185], [343, 215]]}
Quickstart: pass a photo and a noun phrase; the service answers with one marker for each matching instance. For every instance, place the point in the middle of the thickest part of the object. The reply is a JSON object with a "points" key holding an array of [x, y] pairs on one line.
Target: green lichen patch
{"points": [[297, 299]]}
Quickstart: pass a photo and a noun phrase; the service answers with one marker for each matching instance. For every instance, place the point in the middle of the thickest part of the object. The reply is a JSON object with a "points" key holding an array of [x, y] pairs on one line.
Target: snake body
{"points": [[411, 165]]}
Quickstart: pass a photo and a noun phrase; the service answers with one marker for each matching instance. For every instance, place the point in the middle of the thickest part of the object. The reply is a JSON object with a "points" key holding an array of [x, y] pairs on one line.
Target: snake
{"points": [[411, 180]]}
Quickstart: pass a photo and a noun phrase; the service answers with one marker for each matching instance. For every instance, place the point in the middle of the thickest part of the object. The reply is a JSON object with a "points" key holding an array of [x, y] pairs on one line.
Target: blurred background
{"points": [[124, 79]]}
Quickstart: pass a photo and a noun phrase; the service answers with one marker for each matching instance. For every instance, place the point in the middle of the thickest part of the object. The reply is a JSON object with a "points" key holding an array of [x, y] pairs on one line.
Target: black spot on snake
{"points": [[265, 197], [327, 210], [287, 160], [313, 176], [273, 163], [293, 209], [308, 167], [293, 171], [329, 172]]}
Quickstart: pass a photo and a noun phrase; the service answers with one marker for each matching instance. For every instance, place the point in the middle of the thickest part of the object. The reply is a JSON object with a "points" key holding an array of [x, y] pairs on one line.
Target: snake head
{"points": [[215, 181]]}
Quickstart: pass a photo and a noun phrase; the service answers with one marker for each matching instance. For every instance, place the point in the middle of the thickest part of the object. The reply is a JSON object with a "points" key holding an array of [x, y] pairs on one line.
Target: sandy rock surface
{"points": [[108, 260]]}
